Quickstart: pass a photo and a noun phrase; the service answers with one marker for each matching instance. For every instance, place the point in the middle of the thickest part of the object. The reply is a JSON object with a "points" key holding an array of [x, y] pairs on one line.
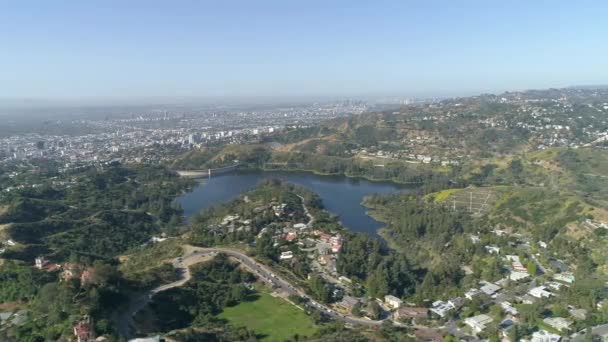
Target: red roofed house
{"points": [[291, 236], [42, 263], [83, 330], [87, 276], [322, 235]]}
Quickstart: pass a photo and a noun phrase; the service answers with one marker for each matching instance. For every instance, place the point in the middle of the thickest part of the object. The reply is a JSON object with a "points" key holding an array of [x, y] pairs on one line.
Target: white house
{"points": [[472, 293], [146, 339], [563, 277], [392, 301], [40, 262], [489, 288], [300, 226], [478, 323], [286, 255], [441, 308], [545, 336], [509, 308], [512, 257], [540, 292], [558, 323], [554, 285], [345, 280], [493, 249], [516, 276]]}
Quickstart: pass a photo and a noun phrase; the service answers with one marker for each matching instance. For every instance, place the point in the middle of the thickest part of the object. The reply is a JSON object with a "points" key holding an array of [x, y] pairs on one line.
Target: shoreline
{"points": [[373, 228], [192, 174]]}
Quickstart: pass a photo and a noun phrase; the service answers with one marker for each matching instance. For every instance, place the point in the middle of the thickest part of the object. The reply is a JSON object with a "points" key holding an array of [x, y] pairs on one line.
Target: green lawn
{"points": [[273, 318]]}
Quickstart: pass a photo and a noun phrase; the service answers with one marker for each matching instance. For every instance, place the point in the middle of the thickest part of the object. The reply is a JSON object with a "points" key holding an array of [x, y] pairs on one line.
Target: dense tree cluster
{"points": [[428, 250], [214, 285], [21, 283], [81, 220], [104, 213]]}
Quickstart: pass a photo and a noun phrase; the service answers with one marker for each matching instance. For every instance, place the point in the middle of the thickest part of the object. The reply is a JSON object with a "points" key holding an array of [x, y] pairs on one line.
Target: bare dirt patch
{"points": [[296, 145], [11, 306], [599, 214], [577, 232], [3, 233]]}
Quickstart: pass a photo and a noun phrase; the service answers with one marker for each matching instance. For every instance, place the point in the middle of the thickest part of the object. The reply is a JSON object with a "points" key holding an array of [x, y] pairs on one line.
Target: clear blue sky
{"points": [[129, 48]]}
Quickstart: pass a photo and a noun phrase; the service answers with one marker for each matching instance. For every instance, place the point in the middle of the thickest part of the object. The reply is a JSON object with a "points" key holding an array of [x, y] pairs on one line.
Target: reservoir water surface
{"points": [[341, 195]]}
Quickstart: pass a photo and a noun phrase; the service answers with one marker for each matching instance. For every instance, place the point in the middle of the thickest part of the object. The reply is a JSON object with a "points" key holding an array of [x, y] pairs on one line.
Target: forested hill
{"points": [[432, 143], [75, 224], [101, 212]]}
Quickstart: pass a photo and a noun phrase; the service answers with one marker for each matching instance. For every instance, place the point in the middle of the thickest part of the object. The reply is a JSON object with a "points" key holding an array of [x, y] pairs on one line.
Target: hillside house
{"points": [[392, 301], [558, 323], [83, 330], [478, 323], [540, 292]]}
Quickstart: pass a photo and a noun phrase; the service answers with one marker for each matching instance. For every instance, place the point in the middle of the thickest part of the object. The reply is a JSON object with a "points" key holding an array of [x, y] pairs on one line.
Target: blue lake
{"points": [[341, 195]]}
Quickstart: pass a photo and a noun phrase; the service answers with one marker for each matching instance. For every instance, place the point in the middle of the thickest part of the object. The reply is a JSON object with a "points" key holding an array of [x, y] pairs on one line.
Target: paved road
{"points": [[311, 219], [194, 255], [268, 276], [124, 320]]}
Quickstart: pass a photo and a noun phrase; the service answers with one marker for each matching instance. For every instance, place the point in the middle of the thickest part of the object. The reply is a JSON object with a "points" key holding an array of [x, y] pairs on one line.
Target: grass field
{"points": [[444, 194], [273, 318]]}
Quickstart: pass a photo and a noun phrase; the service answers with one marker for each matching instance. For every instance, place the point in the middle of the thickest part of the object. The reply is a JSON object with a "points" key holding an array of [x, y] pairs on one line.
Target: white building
{"points": [[566, 278], [441, 308], [489, 288], [545, 336], [345, 280], [300, 226], [286, 255], [509, 308], [516, 276], [554, 285], [478, 323], [146, 339], [472, 293], [558, 323], [40, 262], [392, 301], [540, 292], [493, 249]]}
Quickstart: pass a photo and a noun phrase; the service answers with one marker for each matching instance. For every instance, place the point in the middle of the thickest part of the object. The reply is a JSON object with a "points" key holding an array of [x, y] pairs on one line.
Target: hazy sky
{"points": [[128, 48]]}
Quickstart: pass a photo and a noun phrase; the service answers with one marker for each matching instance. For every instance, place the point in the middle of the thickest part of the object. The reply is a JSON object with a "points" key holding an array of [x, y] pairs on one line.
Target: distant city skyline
{"points": [[90, 52]]}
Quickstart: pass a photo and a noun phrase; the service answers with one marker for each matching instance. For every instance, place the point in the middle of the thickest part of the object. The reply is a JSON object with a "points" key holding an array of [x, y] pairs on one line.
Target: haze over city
{"points": [[142, 51]]}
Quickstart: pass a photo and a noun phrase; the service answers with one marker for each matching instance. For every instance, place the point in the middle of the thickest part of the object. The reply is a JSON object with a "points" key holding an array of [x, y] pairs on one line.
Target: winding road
{"points": [[311, 219], [194, 255]]}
